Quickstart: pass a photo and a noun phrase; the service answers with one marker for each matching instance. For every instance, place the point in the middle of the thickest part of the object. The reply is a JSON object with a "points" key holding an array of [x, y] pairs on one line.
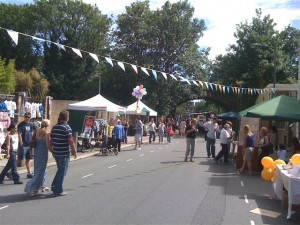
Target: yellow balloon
{"points": [[279, 162], [295, 159], [267, 174], [267, 162]]}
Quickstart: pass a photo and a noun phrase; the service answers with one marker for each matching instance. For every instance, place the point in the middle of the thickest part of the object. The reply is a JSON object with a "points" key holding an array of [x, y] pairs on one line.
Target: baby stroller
{"points": [[108, 146]]}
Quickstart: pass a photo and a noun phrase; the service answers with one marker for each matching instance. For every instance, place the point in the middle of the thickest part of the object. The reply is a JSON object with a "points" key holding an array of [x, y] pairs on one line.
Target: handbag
{"points": [[171, 133]]}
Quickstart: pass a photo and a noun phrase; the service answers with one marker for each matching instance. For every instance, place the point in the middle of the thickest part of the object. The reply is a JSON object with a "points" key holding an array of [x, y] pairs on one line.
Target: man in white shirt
{"points": [[224, 139], [212, 127], [152, 128]]}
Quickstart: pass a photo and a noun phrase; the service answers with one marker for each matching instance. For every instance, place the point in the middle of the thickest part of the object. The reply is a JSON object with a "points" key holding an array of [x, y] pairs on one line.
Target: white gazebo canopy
{"points": [[131, 109], [97, 103]]}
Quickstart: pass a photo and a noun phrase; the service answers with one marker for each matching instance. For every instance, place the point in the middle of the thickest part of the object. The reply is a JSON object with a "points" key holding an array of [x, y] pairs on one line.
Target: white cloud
{"points": [[221, 16]]}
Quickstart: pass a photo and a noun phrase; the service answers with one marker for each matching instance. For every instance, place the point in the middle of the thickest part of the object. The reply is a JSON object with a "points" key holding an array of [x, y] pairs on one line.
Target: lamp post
{"points": [[253, 45], [99, 84]]}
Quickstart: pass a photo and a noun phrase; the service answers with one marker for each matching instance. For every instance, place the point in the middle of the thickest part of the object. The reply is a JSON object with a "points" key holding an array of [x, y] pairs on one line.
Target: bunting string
{"points": [[212, 87]]}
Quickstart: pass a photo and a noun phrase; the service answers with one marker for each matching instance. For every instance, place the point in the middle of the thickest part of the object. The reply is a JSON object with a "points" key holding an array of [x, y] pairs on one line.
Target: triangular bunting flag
{"points": [[145, 71], [211, 86], [206, 84], [14, 35], [121, 64], [173, 76], [134, 67], [154, 74], [60, 46], [94, 56], [220, 88], [216, 87], [109, 61], [194, 82], [224, 89], [164, 75], [228, 89], [186, 80], [200, 82], [77, 51]]}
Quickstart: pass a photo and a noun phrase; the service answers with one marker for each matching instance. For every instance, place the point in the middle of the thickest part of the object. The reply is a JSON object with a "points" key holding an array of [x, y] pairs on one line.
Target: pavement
{"points": [[80, 155]]}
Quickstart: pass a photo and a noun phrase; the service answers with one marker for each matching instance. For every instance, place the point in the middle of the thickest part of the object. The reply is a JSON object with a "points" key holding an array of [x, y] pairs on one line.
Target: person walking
{"points": [[138, 133], [41, 145], [119, 133], [161, 131], [25, 130], [264, 145], [212, 127], [224, 140], [191, 132], [169, 132], [247, 150], [12, 142], [60, 144], [182, 127], [152, 128], [126, 126]]}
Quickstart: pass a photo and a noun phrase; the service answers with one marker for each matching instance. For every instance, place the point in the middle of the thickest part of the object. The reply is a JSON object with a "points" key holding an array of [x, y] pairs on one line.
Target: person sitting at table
{"points": [[282, 153]]}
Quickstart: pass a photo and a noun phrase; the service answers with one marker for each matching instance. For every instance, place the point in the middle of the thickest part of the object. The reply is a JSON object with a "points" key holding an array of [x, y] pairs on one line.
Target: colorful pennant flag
{"points": [[109, 61], [134, 67], [94, 56], [14, 36], [145, 70], [77, 51], [121, 64]]}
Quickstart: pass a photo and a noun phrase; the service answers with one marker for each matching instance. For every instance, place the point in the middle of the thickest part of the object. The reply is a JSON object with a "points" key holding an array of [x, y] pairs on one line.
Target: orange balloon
{"points": [[279, 162], [295, 159], [267, 162], [267, 174]]}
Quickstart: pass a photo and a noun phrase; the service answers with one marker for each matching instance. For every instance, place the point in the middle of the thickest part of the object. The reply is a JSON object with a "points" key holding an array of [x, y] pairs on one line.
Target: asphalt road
{"points": [[148, 186]]}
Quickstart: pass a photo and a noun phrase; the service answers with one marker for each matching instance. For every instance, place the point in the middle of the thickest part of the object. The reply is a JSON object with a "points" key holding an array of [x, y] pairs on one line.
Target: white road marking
{"points": [[151, 151], [112, 166], [252, 222], [242, 183], [142, 154], [87, 175], [246, 199], [4, 207], [159, 148], [128, 160]]}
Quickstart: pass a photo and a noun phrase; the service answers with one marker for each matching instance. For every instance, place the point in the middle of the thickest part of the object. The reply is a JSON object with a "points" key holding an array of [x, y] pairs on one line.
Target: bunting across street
{"points": [[212, 87]]}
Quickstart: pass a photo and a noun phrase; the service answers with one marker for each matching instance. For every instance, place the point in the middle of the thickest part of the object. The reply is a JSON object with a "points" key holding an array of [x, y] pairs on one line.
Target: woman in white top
{"points": [[12, 141]]}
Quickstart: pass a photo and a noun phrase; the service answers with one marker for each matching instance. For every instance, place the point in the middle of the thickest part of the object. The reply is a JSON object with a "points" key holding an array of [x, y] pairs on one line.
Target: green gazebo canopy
{"points": [[279, 108]]}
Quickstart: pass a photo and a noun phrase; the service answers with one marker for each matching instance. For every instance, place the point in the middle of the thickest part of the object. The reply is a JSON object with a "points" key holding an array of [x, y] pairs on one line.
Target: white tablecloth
{"points": [[290, 183]]}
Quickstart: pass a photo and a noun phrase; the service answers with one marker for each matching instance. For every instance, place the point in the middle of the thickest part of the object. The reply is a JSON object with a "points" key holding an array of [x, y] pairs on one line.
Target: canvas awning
{"points": [[279, 108], [131, 109], [97, 103]]}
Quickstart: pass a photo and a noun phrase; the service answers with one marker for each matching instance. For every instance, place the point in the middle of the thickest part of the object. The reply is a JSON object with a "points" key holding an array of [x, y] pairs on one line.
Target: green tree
{"points": [[78, 25], [19, 18], [35, 85], [260, 53], [164, 40], [7, 77]]}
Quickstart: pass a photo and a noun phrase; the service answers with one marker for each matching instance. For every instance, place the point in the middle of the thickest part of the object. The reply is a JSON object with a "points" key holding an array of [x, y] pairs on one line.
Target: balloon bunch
{"points": [[269, 164], [139, 91]]}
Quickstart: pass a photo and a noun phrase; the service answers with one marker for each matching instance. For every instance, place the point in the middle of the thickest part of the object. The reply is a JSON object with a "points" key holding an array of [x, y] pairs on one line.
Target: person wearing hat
{"points": [[12, 141], [119, 134]]}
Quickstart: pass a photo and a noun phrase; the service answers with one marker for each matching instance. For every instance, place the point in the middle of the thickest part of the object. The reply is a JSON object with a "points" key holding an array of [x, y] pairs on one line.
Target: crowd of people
{"points": [[34, 143], [26, 141]]}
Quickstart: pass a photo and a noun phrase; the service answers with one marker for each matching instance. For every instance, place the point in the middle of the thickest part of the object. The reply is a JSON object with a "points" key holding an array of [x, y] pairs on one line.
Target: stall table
{"points": [[284, 180]]}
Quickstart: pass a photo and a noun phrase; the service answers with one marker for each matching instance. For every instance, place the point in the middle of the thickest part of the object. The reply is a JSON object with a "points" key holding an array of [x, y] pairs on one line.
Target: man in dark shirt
{"points": [[25, 131], [191, 132], [61, 142]]}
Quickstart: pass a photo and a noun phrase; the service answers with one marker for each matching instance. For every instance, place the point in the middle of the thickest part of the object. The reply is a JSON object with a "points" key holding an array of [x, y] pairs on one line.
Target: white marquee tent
{"points": [[130, 110], [96, 103]]}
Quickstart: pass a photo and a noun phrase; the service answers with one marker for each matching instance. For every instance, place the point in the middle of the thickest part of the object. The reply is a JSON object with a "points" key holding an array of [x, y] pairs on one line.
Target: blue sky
{"points": [[221, 16]]}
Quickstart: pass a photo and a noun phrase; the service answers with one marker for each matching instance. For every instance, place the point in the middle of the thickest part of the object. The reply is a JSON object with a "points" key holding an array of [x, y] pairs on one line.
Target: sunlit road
{"points": [[148, 186]]}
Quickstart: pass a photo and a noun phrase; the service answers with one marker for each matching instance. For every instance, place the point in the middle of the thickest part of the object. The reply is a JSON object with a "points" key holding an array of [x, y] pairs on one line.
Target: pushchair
{"points": [[108, 146]]}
